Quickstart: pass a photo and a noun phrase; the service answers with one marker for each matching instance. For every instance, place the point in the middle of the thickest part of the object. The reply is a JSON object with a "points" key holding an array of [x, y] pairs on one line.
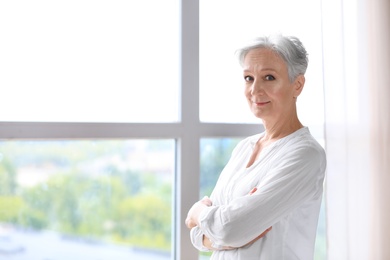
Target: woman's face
{"points": [[268, 90]]}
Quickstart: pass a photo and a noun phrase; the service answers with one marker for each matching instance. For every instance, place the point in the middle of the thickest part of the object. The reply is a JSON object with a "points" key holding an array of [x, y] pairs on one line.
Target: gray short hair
{"points": [[289, 48]]}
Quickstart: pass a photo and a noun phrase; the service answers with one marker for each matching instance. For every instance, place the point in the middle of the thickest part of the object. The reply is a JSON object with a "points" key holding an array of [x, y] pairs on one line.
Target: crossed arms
{"points": [[193, 221]]}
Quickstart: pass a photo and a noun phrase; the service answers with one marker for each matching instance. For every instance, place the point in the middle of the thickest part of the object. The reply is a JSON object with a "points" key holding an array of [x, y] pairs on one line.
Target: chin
{"points": [[258, 115]]}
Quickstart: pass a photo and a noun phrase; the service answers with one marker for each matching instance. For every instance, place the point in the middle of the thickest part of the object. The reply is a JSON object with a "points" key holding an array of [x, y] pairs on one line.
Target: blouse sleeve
{"points": [[297, 177], [197, 239]]}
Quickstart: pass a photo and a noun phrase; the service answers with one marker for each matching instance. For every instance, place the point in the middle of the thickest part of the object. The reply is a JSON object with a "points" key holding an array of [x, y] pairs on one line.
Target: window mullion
{"points": [[39, 130], [188, 162]]}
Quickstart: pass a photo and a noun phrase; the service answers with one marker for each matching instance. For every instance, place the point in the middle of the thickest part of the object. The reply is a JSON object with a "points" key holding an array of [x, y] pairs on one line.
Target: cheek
{"points": [[247, 92], [280, 92]]}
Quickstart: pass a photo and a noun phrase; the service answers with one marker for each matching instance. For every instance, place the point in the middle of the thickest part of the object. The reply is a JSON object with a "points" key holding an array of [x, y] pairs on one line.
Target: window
{"points": [[84, 81], [86, 199], [68, 62]]}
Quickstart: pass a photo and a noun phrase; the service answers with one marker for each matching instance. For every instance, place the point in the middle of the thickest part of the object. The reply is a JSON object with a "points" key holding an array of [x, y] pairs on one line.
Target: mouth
{"points": [[261, 103]]}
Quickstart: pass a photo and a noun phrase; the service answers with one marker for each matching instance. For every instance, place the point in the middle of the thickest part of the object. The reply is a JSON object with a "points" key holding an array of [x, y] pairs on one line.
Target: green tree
{"points": [[144, 221], [7, 177], [10, 207]]}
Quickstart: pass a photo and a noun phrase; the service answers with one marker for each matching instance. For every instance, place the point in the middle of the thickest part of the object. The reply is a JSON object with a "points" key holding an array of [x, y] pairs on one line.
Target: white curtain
{"points": [[357, 127], [379, 84]]}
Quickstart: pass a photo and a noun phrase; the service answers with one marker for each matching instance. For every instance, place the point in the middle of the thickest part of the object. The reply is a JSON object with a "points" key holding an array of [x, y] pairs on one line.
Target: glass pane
{"points": [[215, 153], [220, 74], [89, 61], [86, 200]]}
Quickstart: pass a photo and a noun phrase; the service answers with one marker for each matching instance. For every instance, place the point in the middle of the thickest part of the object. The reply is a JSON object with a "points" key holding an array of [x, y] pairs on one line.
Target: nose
{"points": [[257, 88]]}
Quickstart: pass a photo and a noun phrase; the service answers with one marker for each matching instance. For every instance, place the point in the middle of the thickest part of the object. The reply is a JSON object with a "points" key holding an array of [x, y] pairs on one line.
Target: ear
{"points": [[298, 85]]}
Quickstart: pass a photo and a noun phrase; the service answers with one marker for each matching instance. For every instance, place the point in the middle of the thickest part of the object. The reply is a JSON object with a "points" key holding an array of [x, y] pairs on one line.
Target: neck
{"points": [[277, 129]]}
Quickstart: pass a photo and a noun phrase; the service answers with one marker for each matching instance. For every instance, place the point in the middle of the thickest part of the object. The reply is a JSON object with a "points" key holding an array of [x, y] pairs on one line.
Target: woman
{"points": [[273, 179]]}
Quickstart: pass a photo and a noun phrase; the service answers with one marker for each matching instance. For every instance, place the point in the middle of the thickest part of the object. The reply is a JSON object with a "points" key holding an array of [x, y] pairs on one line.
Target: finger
{"points": [[206, 200], [253, 191], [260, 236], [188, 223], [265, 232]]}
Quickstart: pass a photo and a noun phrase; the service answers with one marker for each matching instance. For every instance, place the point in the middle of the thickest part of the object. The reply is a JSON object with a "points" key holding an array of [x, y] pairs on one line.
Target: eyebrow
{"points": [[265, 69]]}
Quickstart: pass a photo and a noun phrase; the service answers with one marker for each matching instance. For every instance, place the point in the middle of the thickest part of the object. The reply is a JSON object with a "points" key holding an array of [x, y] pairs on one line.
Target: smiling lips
{"points": [[261, 103]]}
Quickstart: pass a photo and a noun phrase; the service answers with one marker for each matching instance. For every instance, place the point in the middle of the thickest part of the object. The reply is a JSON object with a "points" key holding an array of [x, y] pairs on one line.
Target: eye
{"points": [[248, 78], [269, 77]]}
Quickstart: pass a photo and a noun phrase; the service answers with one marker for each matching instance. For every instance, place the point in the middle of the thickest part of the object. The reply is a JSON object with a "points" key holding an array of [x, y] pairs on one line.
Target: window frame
{"points": [[187, 132]]}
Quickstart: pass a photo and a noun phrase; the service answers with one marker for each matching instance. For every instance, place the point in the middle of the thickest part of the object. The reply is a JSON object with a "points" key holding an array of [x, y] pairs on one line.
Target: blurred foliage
{"points": [[147, 216], [7, 177], [10, 206], [84, 200]]}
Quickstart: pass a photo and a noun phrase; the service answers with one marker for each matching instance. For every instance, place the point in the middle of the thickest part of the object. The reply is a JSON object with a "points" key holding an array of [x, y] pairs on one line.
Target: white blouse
{"points": [[289, 176]]}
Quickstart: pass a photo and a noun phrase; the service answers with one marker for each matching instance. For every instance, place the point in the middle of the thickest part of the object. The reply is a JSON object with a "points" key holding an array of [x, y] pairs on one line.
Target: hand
{"points": [[195, 210]]}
